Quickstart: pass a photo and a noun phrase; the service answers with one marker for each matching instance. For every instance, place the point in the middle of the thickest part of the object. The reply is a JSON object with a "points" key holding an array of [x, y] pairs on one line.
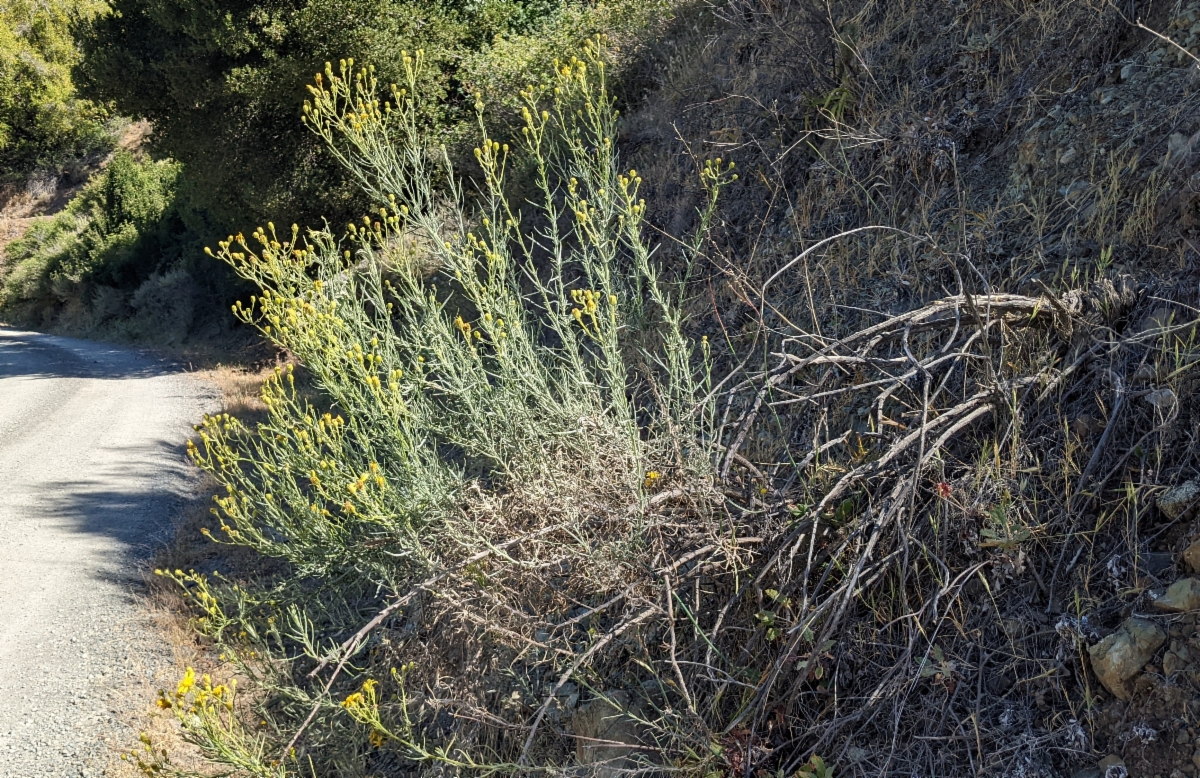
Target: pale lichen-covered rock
{"points": [[1183, 595], [1120, 657], [1178, 501]]}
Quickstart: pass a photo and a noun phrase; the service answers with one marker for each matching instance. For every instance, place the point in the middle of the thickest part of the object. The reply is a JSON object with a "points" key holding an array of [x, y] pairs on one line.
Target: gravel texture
{"points": [[91, 472]]}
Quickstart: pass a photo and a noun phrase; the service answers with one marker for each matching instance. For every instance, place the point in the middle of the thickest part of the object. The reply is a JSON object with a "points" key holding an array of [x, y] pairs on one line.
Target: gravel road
{"points": [[91, 472]]}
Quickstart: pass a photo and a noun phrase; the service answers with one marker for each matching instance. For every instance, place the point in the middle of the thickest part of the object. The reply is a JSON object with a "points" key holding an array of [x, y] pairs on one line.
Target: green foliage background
{"points": [[223, 83], [42, 121]]}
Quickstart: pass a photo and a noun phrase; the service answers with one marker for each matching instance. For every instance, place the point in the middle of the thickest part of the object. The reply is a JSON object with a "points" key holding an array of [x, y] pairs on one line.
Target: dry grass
{"points": [[241, 389], [1020, 147]]}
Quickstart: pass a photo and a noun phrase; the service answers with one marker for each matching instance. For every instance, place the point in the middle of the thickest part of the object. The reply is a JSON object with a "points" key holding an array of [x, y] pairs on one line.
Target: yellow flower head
{"points": [[186, 683]]}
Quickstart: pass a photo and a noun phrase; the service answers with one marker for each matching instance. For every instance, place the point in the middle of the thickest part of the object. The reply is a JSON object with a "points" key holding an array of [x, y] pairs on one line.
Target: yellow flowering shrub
{"points": [[490, 370]]}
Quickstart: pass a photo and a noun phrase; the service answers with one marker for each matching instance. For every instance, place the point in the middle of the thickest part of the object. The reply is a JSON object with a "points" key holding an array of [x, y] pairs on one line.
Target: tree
{"points": [[42, 121], [223, 82]]}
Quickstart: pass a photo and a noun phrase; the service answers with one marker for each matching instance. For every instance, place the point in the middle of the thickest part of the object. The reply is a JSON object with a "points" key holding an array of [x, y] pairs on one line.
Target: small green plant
{"points": [[1004, 531], [816, 768], [937, 667]]}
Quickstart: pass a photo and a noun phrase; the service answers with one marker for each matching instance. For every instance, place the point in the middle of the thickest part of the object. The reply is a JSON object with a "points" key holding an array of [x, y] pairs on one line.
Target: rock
{"points": [[1183, 595], [1111, 765], [1067, 156], [606, 731], [1196, 760], [1111, 297], [1179, 500], [1073, 190], [1179, 149], [1177, 659], [1191, 557], [1143, 374], [1087, 772], [1156, 563], [1118, 658], [1172, 663], [1162, 399]]}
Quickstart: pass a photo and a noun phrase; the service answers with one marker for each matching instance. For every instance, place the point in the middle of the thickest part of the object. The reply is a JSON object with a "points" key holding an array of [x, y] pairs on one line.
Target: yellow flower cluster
{"points": [[465, 329], [491, 153], [363, 707], [332, 423], [148, 761], [717, 173], [205, 696], [186, 683], [361, 704], [574, 69], [373, 474], [195, 586], [589, 301]]}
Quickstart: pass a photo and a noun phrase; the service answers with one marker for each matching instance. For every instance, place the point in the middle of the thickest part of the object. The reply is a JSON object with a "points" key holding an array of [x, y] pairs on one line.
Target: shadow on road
{"points": [[134, 515], [33, 355]]}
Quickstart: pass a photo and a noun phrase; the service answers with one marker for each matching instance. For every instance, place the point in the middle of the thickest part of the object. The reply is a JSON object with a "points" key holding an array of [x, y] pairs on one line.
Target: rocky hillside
{"points": [[1033, 149]]}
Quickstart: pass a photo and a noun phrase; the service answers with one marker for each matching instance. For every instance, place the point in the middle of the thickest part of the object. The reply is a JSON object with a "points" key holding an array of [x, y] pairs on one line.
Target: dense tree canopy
{"points": [[223, 82]]}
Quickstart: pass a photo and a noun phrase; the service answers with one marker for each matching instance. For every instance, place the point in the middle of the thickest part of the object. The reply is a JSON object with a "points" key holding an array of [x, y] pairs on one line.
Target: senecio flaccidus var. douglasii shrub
{"points": [[510, 394]]}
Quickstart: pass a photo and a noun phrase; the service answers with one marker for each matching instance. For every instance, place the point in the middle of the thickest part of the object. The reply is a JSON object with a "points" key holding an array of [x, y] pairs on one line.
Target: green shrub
{"points": [[537, 388], [499, 71], [125, 209], [165, 306], [42, 121], [115, 233]]}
